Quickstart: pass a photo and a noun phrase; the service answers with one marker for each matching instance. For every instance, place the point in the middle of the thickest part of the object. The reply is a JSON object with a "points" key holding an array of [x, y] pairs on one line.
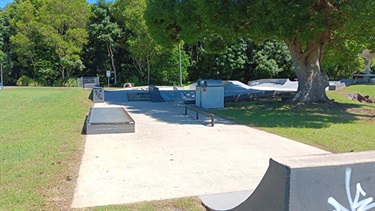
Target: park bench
{"points": [[200, 111]]}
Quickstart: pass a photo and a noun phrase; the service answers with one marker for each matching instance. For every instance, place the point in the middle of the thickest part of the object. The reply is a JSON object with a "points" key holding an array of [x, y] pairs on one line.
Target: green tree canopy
{"points": [[307, 27], [105, 30], [141, 45], [166, 67], [244, 60], [49, 32], [3, 30], [63, 28]]}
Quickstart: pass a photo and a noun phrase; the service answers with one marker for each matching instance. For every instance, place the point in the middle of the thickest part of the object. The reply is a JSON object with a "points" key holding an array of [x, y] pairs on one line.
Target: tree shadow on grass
{"points": [[273, 113]]}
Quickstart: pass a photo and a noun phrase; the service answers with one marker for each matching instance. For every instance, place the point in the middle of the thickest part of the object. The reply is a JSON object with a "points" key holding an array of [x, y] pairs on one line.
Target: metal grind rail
{"points": [[199, 111]]}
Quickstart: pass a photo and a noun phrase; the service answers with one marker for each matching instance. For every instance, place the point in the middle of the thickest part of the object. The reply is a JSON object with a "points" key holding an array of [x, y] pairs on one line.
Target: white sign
{"points": [[108, 73]]}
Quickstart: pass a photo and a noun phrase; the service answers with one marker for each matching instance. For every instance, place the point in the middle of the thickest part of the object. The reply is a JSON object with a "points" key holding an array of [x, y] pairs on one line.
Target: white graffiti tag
{"points": [[355, 205]]}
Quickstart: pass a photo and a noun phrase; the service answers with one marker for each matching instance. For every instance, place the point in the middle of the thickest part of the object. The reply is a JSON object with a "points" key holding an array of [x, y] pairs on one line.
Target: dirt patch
{"points": [[360, 98], [365, 114], [59, 195]]}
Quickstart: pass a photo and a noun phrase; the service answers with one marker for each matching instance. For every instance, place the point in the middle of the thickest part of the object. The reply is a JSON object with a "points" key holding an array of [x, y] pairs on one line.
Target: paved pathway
{"points": [[172, 155]]}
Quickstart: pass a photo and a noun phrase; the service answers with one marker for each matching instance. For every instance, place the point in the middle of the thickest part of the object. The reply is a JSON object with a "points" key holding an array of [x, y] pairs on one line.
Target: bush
{"points": [[24, 81], [134, 80], [34, 83], [71, 82], [66, 82]]}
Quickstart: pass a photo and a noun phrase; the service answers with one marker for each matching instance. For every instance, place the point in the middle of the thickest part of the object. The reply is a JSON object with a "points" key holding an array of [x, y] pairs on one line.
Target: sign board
{"points": [[108, 73]]}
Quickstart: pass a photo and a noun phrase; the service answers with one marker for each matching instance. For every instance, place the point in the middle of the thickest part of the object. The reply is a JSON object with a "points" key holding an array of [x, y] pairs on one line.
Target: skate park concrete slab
{"points": [[172, 155], [225, 201]]}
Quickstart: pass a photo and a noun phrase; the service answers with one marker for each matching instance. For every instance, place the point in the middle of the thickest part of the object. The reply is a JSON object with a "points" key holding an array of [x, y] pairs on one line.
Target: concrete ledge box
{"points": [[98, 94], [109, 120]]}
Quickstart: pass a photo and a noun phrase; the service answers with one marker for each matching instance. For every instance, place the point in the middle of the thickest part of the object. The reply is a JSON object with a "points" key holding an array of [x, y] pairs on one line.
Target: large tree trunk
{"points": [[312, 80]]}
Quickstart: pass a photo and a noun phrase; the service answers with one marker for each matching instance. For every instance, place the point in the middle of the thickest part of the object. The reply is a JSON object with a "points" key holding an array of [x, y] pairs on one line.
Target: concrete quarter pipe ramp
{"points": [[326, 182]]}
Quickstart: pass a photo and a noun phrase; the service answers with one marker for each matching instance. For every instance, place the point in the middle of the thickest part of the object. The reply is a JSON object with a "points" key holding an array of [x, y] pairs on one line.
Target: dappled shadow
{"points": [[171, 112], [260, 113], [272, 113]]}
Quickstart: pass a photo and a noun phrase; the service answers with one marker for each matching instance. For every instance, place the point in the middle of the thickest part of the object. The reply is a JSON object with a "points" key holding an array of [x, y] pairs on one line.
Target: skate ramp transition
{"points": [[319, 182], [233, 91], [281, 85], [182, 96], [116, 96], [238, 91]]}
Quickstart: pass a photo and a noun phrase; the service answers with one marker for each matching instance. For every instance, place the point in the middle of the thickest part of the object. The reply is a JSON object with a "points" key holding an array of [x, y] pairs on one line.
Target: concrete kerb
{"points": [[172, 155]]}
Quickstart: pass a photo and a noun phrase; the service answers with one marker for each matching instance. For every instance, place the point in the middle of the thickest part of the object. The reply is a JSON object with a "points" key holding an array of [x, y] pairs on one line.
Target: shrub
{"points": [[34, 83], [66, 82], [134, 80], [71, 82], [24, 81]]}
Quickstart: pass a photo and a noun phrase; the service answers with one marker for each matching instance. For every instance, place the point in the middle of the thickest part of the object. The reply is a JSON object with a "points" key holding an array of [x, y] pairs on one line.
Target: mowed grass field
{"points": [[345, 127], [41, 144]]}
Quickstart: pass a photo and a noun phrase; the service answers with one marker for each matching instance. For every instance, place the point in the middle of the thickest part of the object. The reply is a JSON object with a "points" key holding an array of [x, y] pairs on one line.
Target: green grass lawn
{"points": [[344, 128], [41, 142], [183, 204], [41, 146]]}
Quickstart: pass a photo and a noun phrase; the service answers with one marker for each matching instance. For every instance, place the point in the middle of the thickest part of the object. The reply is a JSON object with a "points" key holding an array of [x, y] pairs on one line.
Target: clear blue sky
{"points": [[4, 2]]}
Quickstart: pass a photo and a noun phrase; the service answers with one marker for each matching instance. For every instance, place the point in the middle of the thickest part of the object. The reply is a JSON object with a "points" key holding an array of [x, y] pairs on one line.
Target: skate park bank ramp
{"points": [[233, 91], [319, 182], [181, 96]]}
